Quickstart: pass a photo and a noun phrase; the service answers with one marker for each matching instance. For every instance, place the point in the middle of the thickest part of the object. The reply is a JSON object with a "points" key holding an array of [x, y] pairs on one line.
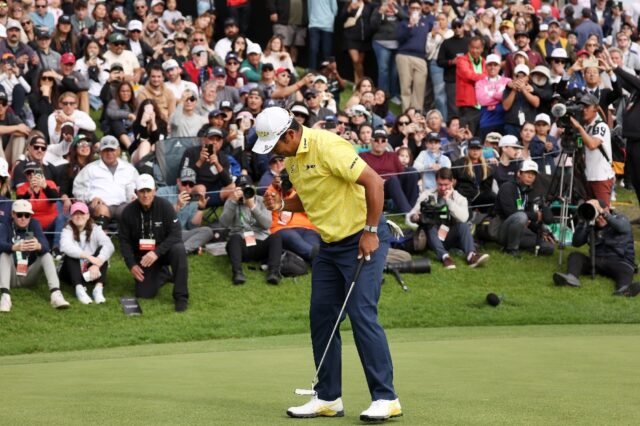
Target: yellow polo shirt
{"points": [[324, 172]]}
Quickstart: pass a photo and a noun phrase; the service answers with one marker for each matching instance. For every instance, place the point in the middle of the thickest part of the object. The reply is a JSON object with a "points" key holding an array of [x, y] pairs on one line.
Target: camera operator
{"points": [[519, 221], [443, 214], [596, 138], [614, 251], [249, 222]]}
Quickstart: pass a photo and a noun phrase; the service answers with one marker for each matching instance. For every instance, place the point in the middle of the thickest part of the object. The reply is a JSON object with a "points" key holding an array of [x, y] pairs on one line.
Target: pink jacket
{"points": [[489, 93]]}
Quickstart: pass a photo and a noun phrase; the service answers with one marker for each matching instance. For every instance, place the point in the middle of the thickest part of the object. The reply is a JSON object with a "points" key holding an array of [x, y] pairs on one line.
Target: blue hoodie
{"points": [[322, 14], [412, 41]]}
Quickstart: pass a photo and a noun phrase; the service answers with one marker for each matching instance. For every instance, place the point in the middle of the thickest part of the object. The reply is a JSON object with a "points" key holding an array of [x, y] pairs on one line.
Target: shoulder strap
{"points": [[600, 148]]}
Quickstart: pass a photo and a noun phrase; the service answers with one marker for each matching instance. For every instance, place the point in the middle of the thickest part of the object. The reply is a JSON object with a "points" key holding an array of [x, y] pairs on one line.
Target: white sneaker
{"points": [[318, 408], [81, 294], [98, 297], [5, 302], [381, 409], [57, 300]]}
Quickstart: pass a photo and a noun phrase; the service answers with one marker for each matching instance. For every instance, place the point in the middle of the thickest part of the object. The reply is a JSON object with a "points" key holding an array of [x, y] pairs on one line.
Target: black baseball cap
{"points": [[433, 136]]}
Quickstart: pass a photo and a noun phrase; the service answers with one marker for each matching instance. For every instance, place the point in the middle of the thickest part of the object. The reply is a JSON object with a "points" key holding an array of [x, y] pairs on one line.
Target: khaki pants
{"points": [[412, 72], [14, 150], [9, 278]]}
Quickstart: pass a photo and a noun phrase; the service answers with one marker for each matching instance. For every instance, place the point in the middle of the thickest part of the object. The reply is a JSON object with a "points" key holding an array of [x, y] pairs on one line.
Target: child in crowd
{"points": [[431, 160]]}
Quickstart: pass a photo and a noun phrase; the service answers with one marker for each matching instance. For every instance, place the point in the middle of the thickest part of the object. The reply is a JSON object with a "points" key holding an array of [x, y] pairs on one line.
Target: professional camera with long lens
{"points": [[248, 191], [285, 183], [563, 112], [434, 211], [587, 212]]}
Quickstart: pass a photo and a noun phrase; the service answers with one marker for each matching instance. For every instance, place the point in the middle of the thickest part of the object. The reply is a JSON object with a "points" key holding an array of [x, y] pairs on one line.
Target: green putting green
{"points": [[479, 375]]}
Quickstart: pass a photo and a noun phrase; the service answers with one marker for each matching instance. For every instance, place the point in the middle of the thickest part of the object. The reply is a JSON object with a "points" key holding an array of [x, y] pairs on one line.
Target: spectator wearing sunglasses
{"points": [[189, 205], [36, 150], [42, 16], [42, 193], [137, 45], [316, 111], [118, 54], [185, 121], [68, 112], [24, 254]]}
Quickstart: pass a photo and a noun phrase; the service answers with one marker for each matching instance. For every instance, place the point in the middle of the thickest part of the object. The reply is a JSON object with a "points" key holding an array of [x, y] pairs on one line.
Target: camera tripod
{"points": [[559, 190]]}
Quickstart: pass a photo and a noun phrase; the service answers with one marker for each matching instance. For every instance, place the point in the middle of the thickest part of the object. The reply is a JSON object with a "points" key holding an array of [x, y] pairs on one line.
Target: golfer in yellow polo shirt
{"points": [[343, 198]]}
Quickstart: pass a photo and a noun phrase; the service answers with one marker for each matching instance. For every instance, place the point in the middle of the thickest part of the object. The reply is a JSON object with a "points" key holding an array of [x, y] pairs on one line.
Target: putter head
{"points": [[305, 392]]}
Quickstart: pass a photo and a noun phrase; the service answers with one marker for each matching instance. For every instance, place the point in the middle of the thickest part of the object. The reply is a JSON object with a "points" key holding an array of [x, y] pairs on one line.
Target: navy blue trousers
{"points": [[333, 271]]}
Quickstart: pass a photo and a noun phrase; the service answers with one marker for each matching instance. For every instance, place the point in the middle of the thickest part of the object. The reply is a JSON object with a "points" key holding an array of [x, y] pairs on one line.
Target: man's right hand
{"points": [[137, 273]]}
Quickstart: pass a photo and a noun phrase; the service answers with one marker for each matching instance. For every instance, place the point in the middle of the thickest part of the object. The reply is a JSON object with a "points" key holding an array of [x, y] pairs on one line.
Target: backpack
{"points": [[292, 265], [164, 163]]}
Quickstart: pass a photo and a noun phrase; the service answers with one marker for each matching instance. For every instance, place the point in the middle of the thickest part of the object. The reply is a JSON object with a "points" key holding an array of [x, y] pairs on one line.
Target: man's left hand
{"points": [[575, 123], [148, 259], [368, 244]]}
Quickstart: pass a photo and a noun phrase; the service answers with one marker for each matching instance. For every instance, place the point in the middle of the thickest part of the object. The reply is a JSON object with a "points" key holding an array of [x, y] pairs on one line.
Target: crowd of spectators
{"points": [[480, 86]]}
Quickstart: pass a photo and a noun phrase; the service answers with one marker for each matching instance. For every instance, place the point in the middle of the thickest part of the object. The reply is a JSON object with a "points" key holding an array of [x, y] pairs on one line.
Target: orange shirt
{"points": [[285, 219]]}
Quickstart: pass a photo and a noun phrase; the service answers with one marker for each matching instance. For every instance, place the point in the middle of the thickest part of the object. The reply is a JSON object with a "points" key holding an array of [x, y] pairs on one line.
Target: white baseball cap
{"points": [[493, 59], [541, 69], [509, 141], [171, 63], [544, 27], [145, 181], [543, 117], [559, 53], [254, 48], [271, 123], [521, 68], [529, 166], [22, 206], [134, 25], [4, 167]]}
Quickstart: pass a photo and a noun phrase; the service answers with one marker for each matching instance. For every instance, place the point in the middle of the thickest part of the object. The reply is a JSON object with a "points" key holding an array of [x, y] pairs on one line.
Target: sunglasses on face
{"points": [[23, 215], [310, 97], [41, 6], [188, 184], [191, 99], [141, 7], [68, 103], [233, 63], [3, 102], [299, 114], [198, 40], [39, 147], [344, 123], [119, 43], [27, 23], [380, 140], [403, 123]]}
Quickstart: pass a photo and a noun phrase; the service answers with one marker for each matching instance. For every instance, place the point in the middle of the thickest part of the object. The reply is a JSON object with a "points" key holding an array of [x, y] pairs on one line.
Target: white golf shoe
{"points": [[5, 302], [57, 300], [382, 409], [318, 408], [81, 294], [98, 297]]}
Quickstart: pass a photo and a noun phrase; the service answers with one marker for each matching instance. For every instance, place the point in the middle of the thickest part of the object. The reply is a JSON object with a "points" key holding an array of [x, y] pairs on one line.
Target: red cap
{"points": [[582, 52], [68, 58], [282, 69]]}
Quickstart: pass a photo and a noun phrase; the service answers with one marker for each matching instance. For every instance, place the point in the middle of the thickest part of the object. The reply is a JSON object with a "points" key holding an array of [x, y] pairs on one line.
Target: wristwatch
{"points": [[372, 229]]}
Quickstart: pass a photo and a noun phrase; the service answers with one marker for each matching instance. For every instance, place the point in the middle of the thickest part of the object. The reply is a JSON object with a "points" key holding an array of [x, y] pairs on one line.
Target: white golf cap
{"points": [[301, 109], [559, 53], [545, 9], [22, 206], [198, 49], [271, 123], [254, 48], [544, 27], [509, 141], [3, 31], [543, 117], [109, 142], [134, 25], [529, 166], [171, 63], [145, 181], [4, 167], [521, 68], [541, 69], [493, 59]]}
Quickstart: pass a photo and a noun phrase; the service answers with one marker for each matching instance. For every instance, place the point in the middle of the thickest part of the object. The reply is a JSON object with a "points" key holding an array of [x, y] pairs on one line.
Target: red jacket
{"points": [[466, 78], [45, 210]]}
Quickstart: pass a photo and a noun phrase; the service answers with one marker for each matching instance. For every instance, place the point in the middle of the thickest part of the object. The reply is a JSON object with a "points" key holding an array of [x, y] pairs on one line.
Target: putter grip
{"points": [[358, 269]]}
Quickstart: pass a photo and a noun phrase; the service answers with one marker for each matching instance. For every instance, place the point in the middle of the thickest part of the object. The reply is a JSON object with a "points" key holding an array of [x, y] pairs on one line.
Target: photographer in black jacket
{"points": [[614, 251], [519, 221], [151, 240]]}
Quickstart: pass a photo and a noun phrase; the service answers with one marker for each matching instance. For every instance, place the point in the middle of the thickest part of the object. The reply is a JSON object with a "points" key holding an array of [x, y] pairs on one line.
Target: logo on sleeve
{"points": [[353, 163], [309, 166]]}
